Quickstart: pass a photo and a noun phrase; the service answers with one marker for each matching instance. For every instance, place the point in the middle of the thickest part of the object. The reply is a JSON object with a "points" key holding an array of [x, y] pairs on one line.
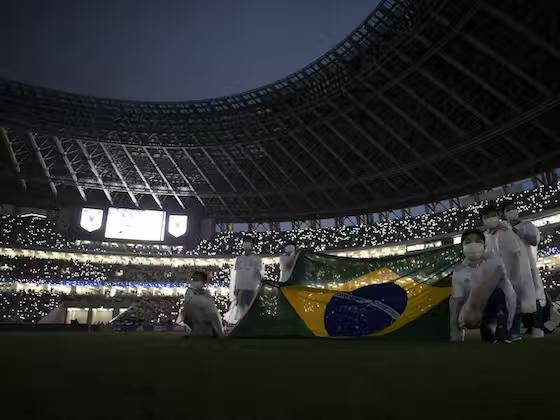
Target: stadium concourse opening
{"points": [[377, 224]]}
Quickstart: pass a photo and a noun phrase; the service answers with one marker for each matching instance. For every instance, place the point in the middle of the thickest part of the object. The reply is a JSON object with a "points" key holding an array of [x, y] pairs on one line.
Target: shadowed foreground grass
{"points": [[161, 376]]}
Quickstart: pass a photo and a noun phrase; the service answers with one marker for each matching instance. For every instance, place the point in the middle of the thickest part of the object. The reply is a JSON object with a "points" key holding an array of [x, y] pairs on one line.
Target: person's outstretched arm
{"points": [[456, 333]]}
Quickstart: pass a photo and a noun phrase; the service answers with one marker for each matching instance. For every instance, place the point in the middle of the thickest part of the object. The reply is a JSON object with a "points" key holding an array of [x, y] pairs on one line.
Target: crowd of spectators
{"points": [[550, 242], [30, 307], [41, 233], [27, 269], [27, 307], [32, 232], [42, 270], [381, 233]]}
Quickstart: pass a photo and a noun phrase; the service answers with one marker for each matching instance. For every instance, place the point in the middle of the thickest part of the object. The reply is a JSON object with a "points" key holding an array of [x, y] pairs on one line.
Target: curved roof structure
{"points": [[426, 99]]}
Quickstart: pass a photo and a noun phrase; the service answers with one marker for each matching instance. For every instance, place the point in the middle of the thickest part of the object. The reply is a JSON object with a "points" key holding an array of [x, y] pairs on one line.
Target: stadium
{"points": [[372, 160]]}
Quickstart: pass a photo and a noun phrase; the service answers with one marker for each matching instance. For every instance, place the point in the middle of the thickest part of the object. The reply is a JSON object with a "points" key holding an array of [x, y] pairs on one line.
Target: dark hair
{"points": [[202, 273], [490, 208], [249, 238], [290, 242], [505, 203], [471, 232]]}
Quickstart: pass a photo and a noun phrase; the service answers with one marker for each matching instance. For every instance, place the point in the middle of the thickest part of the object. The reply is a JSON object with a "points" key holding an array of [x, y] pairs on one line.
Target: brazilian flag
{"points": [[328, 296]]}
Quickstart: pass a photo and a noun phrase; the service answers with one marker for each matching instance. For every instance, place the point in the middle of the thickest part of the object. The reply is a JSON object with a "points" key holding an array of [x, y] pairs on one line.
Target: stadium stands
{"points": [[41, 233], [31, 306], [21, 307], [47, 270]]}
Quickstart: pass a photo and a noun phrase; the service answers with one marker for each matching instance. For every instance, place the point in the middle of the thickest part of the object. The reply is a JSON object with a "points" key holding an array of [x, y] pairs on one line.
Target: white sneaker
{"points": [[537, 333]]}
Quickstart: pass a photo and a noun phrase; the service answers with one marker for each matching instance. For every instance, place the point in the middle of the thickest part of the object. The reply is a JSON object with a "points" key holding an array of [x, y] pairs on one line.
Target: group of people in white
{"points": [[498, 284], [199, 311], [494, 288]]}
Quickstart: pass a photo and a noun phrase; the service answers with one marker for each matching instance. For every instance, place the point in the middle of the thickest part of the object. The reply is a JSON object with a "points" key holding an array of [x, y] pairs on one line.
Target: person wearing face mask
{"points": [[199, 310], [506, 244], [529, 237], [246, 280], [287, 261], [481, 293]]}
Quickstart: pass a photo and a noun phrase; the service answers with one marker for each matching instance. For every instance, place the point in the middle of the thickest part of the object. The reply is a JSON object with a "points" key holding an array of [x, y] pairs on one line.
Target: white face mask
{"points": [[473, 251], [196, 284], [491, 222], [512, 215], [290, 249], [247, 246]]}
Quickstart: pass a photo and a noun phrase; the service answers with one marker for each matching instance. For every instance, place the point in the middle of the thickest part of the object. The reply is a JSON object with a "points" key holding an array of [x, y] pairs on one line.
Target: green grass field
{"points": [[161, 376]]}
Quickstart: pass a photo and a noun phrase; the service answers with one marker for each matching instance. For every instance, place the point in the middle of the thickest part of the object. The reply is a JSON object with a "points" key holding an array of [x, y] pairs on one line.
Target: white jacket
{"points": [[504, 243], [200, 313], [287, 263], [530, 237], [472, 285], [247, 273]]}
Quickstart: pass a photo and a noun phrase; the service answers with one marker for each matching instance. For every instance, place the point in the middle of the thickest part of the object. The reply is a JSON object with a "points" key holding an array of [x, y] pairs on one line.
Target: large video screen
{"points": [[140, 225]]}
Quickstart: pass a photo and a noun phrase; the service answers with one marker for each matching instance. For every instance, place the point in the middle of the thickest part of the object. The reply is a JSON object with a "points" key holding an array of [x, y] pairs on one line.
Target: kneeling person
{"points": [[199, 311], [482, 294]]}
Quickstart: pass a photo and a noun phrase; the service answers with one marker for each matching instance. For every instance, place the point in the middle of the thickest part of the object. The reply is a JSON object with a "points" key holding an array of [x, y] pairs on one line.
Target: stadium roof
{"points": [[426, 99]]}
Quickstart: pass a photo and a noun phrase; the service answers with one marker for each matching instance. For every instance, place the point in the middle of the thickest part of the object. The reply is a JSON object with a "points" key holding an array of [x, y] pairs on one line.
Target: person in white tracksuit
{"points": [[482, 295], [504, 242], [287, 261], [529, 236], [245, 281], [199, 310]]}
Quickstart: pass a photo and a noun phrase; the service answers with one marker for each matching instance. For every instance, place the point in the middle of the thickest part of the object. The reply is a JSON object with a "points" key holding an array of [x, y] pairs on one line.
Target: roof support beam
{"points": [[375, 143], [42, 162], [468, 73], [182, 174], [244, 175], [519, 73], [498, 95], [302, 169], [94, 170], [465, 105], [142, 177], [434, 47], [395, 134], [416, 66], [13, 158], [421, 130], [164, 178], [284, 174], [325, 145], [69, 167], [221, 172], [282, 170], [348, 143], [119, 174], [442, 117], [535, 39], [206, 179], [497, 57], [320, 164], [199, 169], [265, 176]]}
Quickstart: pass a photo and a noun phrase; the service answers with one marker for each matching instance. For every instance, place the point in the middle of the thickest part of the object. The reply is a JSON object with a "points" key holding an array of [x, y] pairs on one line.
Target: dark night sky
{"points": [[168, 50]]}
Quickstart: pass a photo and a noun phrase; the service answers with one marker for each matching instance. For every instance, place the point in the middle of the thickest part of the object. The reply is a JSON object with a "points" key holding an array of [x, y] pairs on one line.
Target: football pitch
{"points": [[167, 376]]}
